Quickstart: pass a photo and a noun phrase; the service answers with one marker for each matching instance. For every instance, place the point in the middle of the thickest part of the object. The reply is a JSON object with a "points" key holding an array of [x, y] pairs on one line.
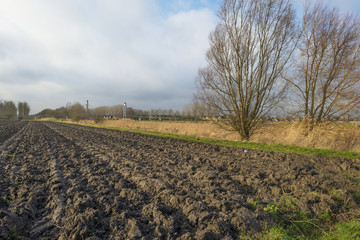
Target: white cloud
{"points": [[101, 50], [45, 91], [146, 52]]}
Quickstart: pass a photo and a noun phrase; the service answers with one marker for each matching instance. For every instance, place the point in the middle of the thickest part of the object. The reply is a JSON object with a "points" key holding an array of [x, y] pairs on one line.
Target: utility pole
{"points": [[124, 110], [87, 109]]}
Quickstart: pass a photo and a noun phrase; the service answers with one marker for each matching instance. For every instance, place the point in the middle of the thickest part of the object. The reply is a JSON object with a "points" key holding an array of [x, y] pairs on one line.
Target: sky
{"points": [[144, 52]]}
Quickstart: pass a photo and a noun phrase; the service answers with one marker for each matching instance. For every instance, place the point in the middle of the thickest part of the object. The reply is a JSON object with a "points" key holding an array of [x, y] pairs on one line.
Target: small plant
{"points": [[271, 208], [254, 203], [289, 204], [357, 196], [275, 233], [13, 234], [16, 182], [7, 200], [326, 217], [345, 231], [98, 119], [337, 194]]}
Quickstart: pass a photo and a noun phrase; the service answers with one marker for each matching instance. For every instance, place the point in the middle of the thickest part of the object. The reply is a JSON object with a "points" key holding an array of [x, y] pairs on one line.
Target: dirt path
{"points": [[72, 182]]}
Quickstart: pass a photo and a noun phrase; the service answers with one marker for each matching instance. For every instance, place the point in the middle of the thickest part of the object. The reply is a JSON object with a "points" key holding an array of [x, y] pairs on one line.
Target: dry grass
{"points": [[199, 129], [336, 136]]}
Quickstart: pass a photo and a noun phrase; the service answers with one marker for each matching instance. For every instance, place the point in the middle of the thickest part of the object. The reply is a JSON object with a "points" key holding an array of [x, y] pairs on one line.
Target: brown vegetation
{"points": [[249, 49], [337, 136], [77, 112], [327, 79], [250, 54], [8, 109], [23, 109]]}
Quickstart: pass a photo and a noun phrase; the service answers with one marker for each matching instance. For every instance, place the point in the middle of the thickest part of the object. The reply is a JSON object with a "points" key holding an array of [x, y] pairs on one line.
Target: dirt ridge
{"points": [[74, 182]]}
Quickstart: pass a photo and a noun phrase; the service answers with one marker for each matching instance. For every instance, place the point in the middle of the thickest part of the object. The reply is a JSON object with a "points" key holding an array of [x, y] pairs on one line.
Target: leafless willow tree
{"points": [[249, 50], [23, 109], [77, 112], [328, 66], [8, 109]]}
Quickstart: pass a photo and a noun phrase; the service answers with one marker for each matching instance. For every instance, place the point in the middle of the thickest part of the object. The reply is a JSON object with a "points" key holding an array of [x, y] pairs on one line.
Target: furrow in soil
{"points": [[74, 182]]}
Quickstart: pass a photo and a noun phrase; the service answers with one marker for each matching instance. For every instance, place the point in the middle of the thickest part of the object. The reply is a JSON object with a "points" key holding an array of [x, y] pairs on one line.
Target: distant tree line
{"points": [[9, 110], [191, 111], [76, 112]]}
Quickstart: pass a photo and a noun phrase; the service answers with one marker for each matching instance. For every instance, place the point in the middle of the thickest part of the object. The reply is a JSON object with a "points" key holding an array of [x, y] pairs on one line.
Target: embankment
{"points": [[336, 136]]}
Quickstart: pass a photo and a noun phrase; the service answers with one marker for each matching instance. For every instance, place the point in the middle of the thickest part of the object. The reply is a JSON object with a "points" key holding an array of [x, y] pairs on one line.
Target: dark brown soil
{"points": [[62, 181]]}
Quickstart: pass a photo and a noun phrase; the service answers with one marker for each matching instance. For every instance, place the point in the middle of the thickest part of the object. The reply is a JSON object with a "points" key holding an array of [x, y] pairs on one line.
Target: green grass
{"points": [[275, 233], [13, 234], [296, 225], [7, 200], [344, 231], [243, 145]]}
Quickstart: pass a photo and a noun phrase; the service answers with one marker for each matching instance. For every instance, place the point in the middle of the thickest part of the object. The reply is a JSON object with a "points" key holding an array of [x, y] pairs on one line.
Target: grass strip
{"points": [[239, 144], [345, 231]]}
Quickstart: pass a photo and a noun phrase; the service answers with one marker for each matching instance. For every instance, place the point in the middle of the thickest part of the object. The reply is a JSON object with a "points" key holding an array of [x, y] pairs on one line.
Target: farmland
{"points": [[61, 181]]}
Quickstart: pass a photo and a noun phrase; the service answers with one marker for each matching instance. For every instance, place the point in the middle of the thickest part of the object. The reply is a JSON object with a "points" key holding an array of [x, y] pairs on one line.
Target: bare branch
{"points": [[249, 50]]}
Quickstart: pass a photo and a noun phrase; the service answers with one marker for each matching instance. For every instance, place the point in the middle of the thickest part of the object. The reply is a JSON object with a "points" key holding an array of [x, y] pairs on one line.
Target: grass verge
{"points": [[238, 144], [342, 231]]}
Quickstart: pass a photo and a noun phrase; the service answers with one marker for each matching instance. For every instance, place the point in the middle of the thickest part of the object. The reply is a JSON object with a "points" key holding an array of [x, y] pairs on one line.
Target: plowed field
{"points": [[60, 181]]}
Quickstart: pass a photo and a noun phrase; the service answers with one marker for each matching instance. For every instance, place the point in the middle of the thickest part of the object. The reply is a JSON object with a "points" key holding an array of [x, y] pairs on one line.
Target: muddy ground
{"points": [[61, 181]]}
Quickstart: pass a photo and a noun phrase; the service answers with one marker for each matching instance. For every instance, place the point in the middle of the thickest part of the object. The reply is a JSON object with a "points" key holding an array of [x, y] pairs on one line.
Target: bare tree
{"points": [[20, 109], [249, 50], [187, 111], [328, 68], [26, 110], [8, 109], [77, 112], [23, 109]]}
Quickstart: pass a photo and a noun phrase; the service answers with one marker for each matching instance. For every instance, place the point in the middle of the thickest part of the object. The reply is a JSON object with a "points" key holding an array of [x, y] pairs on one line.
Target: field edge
{"points": [[236, 144]]}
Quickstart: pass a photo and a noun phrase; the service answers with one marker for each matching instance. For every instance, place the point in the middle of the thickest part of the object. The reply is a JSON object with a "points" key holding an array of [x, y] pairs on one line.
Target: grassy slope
{"points": [[246, 145]]}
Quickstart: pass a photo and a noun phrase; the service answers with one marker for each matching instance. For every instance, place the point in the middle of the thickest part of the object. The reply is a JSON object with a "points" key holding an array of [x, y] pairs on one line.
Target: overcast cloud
{"points": [[145, 52]]}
